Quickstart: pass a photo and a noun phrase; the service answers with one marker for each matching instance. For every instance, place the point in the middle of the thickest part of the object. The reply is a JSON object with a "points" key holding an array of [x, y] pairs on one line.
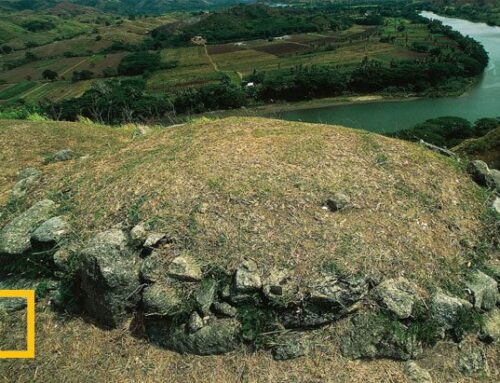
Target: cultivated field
{"points": [[198, 65]]}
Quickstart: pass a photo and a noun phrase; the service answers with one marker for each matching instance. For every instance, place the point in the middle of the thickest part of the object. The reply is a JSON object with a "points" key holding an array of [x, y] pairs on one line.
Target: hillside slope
{"points": [[486, 148], [251, 188]]}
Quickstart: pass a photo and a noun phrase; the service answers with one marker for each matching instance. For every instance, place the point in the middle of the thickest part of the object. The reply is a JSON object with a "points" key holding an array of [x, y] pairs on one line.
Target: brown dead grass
{"points": [[72, 350], [239, 187], [248, 187]]}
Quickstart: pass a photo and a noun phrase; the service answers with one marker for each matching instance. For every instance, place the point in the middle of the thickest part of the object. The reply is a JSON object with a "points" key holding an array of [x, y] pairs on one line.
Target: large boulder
{"points": [[15, 237], [484, 290], [247, 278], [219, 337], [446, 309], [397, 296], [371, 336], [484, 176], [109, 278], [51, 231], [495, 179], [479, 172]]}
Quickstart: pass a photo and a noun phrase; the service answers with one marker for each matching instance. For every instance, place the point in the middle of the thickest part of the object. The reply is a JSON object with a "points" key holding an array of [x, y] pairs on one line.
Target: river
{"points": [[483, 100]]}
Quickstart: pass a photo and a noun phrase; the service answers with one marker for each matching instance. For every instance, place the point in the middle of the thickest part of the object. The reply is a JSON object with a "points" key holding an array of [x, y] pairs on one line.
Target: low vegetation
{"points": [[234, 189]]}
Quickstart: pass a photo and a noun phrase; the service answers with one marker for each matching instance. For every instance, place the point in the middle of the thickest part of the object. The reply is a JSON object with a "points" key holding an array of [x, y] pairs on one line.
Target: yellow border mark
{"points": [[29, 353]]}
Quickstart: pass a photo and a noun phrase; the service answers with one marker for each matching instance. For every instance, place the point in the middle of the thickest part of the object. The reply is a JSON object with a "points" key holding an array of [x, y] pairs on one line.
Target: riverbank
{"points": [[277, 108]]}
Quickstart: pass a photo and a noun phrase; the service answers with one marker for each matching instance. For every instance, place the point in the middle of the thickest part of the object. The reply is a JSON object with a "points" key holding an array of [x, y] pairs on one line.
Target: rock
{"points": [[338, 202], [28, 172], [445, 309], [397, 295], [195, 322], [154, 239], [15, 237], [185, 268], [61, 156], [479, 172], [290, 347], [154, 267], [495, 179], [219, 337], [41, 286], [27, 179], [472, 362], [490, 330], [493, 269], [371, 336], [205, 295], [281, 289], [51, 231], [484, 290], [109, 278], [496, 205], [416, 374], [61, 257], [224, 309], [141, 130], [138, 234], [247, 278], [338, 293], [161, 299], [307, 316]]}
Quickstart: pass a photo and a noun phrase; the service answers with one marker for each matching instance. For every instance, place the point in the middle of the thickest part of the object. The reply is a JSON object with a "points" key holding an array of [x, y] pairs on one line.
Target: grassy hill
{"points": [[246, 187]]}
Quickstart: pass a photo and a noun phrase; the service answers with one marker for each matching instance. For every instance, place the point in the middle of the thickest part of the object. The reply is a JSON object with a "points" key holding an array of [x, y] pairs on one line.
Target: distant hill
{"points": [[122, 6]]}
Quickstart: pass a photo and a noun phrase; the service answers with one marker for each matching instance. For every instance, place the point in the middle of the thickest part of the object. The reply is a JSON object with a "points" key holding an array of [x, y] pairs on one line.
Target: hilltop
{"points": [[324, 203]]}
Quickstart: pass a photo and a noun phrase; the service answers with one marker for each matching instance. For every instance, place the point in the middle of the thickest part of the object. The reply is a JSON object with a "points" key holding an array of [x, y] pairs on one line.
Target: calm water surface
{"points": [[481, 101]]}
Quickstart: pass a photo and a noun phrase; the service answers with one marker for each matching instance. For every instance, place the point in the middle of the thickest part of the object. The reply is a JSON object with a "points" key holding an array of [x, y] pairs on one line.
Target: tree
{"points": [[82, 75], [6, 49], [49, 75], [139, 62]]}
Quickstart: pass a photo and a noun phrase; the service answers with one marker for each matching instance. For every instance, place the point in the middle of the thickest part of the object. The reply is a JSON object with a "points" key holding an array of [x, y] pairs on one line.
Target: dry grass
{"points": [[255, 188], [72, 350], [248, 187], [25, 144]]}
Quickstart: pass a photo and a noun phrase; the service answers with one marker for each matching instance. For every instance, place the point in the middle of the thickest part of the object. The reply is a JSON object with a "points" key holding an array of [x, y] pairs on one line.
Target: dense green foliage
{"points": [[447, 131], [467, 59], [118, 101], [487, 11], [138, 63], [112, 101], [127, 7], [38, 25], [246, 22]]}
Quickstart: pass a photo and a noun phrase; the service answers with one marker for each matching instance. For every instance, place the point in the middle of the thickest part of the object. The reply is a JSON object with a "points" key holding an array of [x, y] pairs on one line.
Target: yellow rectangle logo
{"points": [[29, 353]]}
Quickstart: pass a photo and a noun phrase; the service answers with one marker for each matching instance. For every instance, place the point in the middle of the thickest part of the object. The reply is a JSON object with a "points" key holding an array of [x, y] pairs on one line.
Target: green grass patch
{"points": [[17, 90]]}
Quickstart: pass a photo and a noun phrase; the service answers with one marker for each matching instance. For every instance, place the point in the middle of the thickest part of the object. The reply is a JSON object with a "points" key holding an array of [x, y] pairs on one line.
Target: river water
{"points": [[483, 100]]}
